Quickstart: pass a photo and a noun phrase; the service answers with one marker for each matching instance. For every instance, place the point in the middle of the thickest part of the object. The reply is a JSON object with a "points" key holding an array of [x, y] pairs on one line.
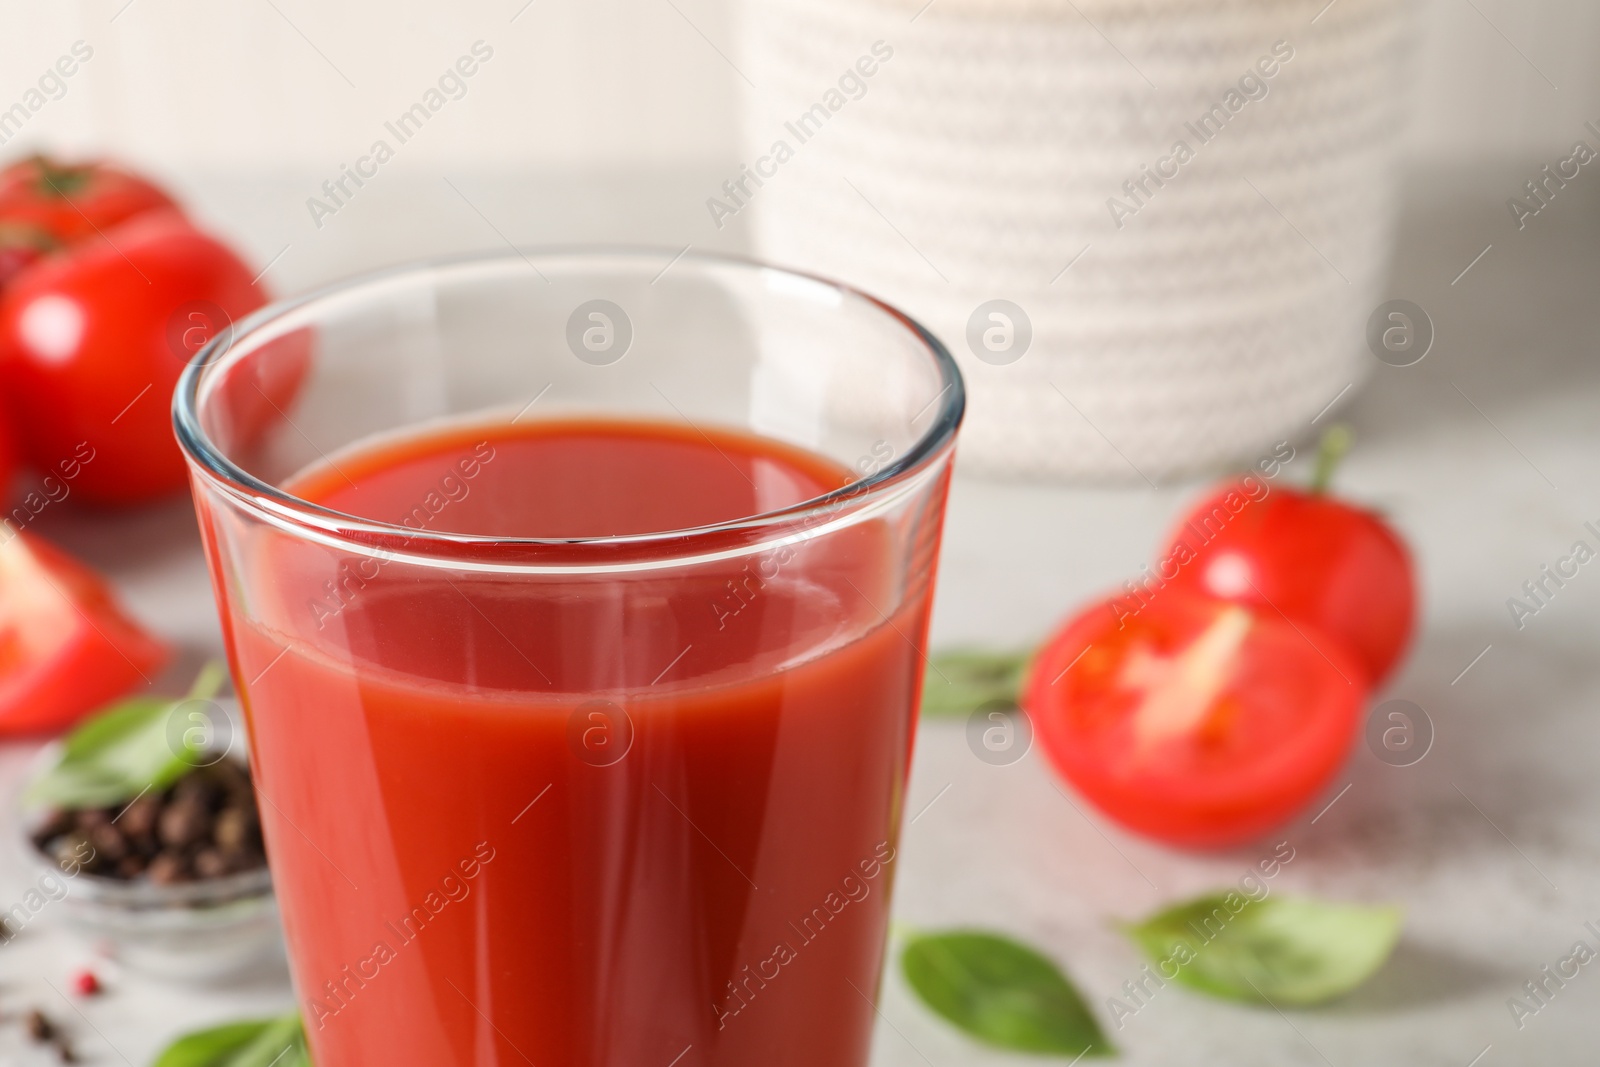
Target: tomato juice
{"points": [[602, 817]]}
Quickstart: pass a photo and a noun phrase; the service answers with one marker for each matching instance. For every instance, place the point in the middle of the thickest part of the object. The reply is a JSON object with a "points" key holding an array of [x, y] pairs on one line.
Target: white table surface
{"points": [[1490, 842]]}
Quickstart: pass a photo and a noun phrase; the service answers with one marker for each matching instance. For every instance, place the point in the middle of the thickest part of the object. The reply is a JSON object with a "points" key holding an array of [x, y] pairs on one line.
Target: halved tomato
{"points": [[66, 646], [1196, 721]]}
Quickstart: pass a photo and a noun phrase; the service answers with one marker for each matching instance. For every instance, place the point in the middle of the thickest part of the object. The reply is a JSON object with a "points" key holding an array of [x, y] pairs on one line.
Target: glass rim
{"points": [[930, 448]]}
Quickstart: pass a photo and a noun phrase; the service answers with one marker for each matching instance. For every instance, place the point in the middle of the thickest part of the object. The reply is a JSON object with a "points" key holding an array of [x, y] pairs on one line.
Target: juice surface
{"points": [[588, 820]]}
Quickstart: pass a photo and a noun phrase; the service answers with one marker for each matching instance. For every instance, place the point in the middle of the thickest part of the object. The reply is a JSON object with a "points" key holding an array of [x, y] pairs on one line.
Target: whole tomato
{"points": [[1312, 557], [74, 202], [21, 247], [1196, 721], [92, 342]]}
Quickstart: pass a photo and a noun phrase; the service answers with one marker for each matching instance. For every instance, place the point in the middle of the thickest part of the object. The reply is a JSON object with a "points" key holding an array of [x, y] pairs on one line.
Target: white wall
{"points": [[1478, 97], [203, 86], [237, 84]]}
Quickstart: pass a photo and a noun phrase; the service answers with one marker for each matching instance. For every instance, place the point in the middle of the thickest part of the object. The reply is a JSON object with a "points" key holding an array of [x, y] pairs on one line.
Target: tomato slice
{"points": [[1198, 722], [66, 647]]}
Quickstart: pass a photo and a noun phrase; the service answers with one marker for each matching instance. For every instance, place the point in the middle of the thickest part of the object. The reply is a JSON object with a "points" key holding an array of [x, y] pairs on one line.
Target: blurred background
{"points": [[595, 95], [982, 168], [1165, 341], [620, 86]]}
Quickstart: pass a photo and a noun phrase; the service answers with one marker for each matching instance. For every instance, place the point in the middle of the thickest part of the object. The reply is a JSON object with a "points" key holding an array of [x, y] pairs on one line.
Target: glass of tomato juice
{"points": [[577, 603]]}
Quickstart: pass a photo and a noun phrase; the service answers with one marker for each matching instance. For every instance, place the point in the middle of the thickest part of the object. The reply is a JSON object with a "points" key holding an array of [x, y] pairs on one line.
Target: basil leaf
{"points": [[1280, 950], [960, 682], [206, 1047], [1002, 993], [123, 751], [279, 1042]]}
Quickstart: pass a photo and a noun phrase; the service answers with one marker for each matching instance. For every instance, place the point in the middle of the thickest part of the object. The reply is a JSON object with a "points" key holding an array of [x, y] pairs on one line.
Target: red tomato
{"points": [[1316, 559], [72, 203], [20, 248], [92, 342], [66, 648], [1195, 721], [10, 459], [9, 462]]}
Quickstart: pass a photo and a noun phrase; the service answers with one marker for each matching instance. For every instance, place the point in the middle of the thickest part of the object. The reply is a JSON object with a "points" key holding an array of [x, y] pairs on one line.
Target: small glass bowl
{"points": [[194, 931], [187, 931]]}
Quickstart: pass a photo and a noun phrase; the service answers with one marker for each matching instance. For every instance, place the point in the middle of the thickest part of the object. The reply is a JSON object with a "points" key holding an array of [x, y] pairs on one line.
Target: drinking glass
{"points": [[578, 801]]}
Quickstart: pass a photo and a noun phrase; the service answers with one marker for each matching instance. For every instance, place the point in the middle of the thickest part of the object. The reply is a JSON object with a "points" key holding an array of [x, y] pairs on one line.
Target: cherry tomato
{"points": [[1314, 558], [92, 342], [66, 647], [76, 202], [1197, 722]]}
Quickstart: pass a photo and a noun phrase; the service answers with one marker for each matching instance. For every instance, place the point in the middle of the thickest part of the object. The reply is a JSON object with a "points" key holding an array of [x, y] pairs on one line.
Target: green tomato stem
{"points": [[58, 180], [1335, 445]]}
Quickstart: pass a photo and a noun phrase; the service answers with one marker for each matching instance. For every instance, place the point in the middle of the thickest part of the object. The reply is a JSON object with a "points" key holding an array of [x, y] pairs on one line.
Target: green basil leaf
{"points": [[122, 751], [960, 682], [112, 757], [1279, 950], [1002, 993], [279, 1042], [209, 1048]]}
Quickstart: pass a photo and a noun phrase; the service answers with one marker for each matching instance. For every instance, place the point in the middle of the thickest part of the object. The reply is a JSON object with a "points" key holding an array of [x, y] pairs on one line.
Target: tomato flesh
{"points": [[1197, 722], [66, 646]]}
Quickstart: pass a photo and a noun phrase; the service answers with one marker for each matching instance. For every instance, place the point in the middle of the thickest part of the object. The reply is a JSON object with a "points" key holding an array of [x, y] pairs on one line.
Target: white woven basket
{"points": [[977, 162]]}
